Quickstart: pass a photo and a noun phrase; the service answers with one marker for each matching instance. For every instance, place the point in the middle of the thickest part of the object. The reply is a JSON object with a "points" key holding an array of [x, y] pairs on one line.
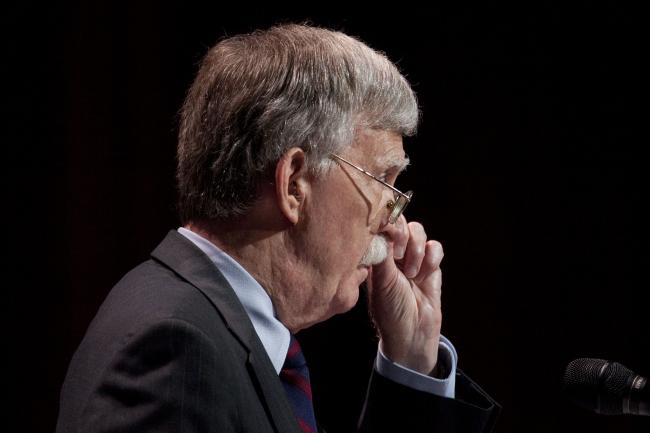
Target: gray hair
{"points": [[257, 95]]}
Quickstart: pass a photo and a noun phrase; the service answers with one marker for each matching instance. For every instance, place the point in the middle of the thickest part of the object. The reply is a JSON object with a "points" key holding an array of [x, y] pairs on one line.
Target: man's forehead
{"points": [[389, 153], [384, 149]]}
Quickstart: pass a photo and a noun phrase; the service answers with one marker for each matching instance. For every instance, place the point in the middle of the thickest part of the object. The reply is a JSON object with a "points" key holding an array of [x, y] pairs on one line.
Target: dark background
{"points": [[529, 167]]}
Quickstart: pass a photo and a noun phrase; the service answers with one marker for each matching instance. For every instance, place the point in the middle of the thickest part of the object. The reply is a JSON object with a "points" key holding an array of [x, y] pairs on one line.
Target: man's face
{"points": [[346, 211]]}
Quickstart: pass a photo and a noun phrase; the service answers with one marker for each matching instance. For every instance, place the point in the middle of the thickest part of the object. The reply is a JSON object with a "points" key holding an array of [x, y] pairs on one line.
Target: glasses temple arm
{"points": [[371, 175]]}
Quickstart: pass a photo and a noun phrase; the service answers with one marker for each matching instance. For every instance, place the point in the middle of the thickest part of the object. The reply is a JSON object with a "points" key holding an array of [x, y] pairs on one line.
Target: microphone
{"points": [[606, 387]]}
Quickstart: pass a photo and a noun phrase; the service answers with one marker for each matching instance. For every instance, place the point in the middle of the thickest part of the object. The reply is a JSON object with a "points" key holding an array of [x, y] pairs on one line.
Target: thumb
{"points": [[384, 275]]}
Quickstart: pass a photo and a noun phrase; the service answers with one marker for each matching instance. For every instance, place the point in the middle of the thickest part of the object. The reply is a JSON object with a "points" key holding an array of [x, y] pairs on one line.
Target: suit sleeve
{"points": [[165, 379], [391, 407]]}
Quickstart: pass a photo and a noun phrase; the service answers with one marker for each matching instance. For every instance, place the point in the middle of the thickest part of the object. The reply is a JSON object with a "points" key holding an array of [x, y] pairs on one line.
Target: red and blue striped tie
{"points": [[295, 378]]}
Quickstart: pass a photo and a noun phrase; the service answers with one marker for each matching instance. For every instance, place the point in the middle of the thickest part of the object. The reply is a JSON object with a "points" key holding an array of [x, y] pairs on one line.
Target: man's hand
{"points": [[404, 295]]}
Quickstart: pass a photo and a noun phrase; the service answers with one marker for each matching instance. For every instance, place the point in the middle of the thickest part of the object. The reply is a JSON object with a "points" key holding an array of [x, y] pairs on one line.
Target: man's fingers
{"points": [[415, 249], [398, 234], [433, 255], [429, 280]]}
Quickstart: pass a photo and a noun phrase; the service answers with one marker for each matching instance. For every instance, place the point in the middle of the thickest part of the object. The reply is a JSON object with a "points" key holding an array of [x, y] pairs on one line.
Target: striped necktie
{"points": [[295, 378]]}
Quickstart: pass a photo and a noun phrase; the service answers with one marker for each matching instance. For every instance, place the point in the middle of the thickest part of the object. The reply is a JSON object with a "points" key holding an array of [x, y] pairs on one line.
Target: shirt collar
{"points": [[272, 333]]}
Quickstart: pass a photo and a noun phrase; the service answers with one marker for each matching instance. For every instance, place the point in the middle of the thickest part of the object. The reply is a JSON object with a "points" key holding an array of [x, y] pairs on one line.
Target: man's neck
{"points": [[249, 247], [265, 253]]}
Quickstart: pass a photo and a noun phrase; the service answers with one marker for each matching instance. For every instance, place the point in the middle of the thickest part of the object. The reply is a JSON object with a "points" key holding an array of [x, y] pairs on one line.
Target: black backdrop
{"points": [[529, 167]]}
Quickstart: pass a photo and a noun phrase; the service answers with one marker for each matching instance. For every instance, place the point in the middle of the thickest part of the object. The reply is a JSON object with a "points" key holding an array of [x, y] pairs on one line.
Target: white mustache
{"points": [[377, 251]]}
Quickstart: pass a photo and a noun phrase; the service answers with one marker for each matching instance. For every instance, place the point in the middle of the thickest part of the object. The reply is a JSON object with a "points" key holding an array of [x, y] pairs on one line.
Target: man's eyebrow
{"points": [[396, 163]]}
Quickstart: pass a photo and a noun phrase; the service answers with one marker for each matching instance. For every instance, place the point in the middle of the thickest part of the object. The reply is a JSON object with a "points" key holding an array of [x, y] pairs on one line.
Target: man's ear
{"points": [[292, 183]]}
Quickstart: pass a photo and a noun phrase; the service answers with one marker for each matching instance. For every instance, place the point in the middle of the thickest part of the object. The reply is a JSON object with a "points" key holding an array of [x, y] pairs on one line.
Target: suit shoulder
{"points": [[151, 292]]}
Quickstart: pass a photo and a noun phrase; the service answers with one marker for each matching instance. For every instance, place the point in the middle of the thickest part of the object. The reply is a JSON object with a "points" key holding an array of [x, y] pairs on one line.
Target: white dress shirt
{"points": [[275, 336]]}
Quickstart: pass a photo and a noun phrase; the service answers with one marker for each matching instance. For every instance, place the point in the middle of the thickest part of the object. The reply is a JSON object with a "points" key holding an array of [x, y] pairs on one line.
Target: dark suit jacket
{"points": [[172, 350]]}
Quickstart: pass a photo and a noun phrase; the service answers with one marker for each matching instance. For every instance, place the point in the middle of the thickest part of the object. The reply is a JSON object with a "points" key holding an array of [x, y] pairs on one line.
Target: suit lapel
{"points": [[188, 261], [191, 264]]}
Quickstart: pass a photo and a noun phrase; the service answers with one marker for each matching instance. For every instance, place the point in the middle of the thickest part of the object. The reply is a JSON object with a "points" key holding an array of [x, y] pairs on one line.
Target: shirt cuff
{"points": [[421, 382]]}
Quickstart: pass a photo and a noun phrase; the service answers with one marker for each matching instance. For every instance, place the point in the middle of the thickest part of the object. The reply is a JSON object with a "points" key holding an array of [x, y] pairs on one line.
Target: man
{"points": [[290, 143]]}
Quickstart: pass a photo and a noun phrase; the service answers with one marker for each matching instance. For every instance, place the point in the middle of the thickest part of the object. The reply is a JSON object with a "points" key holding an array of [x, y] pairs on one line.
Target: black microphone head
{"points": [[598, 385]]}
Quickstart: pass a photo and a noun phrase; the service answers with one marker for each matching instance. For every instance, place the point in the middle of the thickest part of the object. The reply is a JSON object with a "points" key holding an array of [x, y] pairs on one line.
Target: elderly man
{"points": [[290, 143]]}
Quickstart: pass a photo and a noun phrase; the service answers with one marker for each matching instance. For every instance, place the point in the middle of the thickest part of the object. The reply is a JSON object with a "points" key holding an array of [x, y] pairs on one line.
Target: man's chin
{"points": [[349, 291], [348, 302]]}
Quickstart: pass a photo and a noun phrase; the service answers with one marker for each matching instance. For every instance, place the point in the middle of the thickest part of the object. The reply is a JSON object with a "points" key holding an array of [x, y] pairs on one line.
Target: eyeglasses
{"points": [[400, 200]]}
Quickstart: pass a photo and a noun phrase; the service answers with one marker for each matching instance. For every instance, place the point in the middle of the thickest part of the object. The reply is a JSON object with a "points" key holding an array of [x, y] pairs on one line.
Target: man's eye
{"points": [[389, 177]]}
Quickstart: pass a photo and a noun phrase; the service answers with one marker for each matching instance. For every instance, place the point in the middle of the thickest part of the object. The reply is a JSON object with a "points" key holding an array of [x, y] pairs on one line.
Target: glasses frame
{"points": [[401, 198]]}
